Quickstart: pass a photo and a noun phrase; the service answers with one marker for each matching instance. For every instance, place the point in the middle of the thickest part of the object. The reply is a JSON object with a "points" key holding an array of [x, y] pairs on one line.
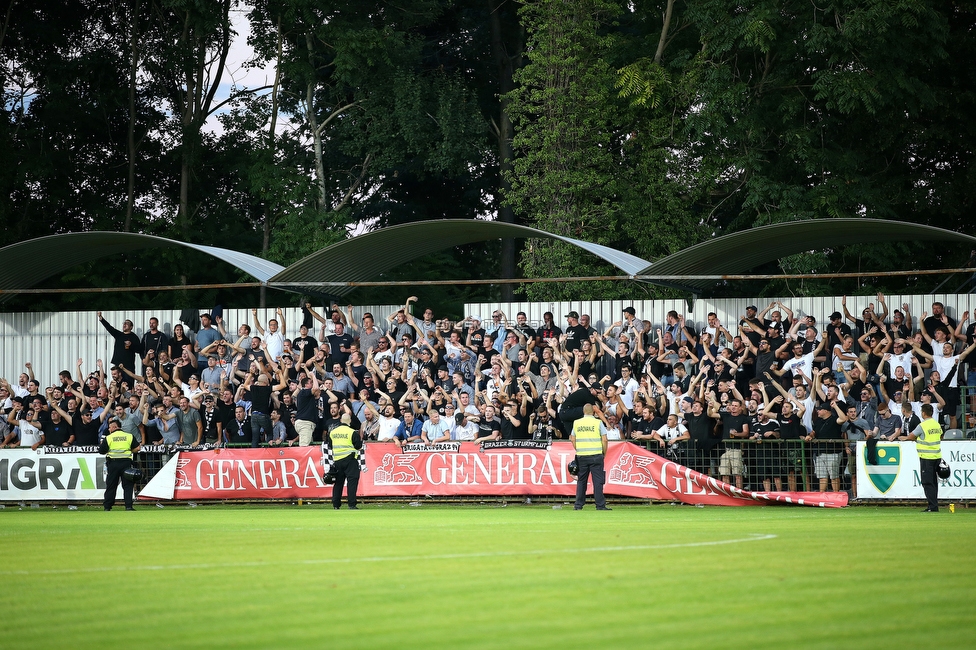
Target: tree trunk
{"points": [[505, 63], [130, 197]]}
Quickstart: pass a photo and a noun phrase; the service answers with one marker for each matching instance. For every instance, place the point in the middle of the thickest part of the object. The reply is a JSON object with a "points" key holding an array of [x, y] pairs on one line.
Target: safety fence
{"points": [[769, 464]]}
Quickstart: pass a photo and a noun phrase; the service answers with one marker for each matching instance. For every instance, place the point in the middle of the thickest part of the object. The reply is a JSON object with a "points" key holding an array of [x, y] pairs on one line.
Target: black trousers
{"points": [[590, 466], [568, 417], [115, 467], [346, 471], [930, 482]]}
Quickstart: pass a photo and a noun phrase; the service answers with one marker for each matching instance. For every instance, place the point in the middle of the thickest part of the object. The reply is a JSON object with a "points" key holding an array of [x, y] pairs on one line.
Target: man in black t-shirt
{"points": [[261, 408], [489, 427], [703, 441], [827, 431], [735, 426], [57, 432], [575, 333], [225, 413]]}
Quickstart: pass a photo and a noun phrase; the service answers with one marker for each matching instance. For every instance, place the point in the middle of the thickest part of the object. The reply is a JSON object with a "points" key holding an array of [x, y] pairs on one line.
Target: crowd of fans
{"points": [[706, 395]]}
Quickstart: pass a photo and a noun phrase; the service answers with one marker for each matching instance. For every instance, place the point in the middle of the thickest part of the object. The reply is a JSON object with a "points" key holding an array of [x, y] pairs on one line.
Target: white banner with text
{"points": [[895, 474]]}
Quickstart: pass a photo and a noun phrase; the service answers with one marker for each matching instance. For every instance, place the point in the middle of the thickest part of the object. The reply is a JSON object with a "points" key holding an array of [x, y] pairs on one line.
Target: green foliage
{"points": [[639, 82], [758, 112]]}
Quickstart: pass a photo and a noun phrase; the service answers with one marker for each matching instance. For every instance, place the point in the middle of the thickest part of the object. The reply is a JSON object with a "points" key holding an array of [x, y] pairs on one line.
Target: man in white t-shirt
{"points": [[463, 430], [671, 435], [274, 338], [628, 386], [389, 423]]}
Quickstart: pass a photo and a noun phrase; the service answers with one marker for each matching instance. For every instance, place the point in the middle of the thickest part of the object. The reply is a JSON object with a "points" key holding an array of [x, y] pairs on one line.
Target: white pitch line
{"points": [[386, 558]]}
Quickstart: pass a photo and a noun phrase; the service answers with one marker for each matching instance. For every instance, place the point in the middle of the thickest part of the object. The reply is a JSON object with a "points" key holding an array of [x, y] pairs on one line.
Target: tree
{"points": [[565, 140]]}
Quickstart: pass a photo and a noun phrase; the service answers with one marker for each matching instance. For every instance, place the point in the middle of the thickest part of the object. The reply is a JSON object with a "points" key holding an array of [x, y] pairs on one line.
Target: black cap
{"points": [[573, 314], [752, 307], [630, 310]]}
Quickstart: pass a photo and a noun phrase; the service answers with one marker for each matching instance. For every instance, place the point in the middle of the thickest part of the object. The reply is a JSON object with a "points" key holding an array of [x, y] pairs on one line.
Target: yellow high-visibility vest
{"points": [[341, 438], [119, 445], [928, 445], [588, 439]]}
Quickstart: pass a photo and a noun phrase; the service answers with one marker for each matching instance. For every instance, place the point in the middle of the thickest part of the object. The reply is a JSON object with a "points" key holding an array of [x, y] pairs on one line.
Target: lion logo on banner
{"points": [[397, 469], [182, 480], [632, 470]]}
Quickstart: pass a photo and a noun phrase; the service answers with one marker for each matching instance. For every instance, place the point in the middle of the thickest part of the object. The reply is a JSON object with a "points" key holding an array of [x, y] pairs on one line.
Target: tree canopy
{"points": [[645, 126]]}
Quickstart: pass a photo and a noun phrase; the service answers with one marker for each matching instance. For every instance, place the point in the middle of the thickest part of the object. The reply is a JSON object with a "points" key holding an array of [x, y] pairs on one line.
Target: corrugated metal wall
{"points": [[606, 312], [53, 342]]}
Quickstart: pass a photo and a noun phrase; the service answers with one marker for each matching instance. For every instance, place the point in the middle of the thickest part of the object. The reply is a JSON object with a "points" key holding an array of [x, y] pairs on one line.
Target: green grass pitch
{"points": [[479, 576]]}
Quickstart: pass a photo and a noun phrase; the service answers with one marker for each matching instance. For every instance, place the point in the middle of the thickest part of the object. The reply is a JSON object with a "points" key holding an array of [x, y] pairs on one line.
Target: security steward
{"points": [[345, 443], [928, 438], [118, 447], [589, 437]]}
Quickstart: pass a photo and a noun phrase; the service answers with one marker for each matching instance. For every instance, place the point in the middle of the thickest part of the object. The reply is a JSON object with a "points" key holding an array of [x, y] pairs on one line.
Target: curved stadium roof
{"points": [[741, 251], [367, 256], [26, 263]]}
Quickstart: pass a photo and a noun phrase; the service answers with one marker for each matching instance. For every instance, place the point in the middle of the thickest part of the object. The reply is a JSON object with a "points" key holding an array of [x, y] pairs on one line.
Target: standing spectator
{"points": [[498, 328], [735, 426], [340, 345], [522, 326], [164, 420], [274, 338], [938, 319], [306, 416], [463, 429], [575, 333], [369, 336], [261, 391], [328, 324], [178, 343], [153, 341], [191, 426], [409, 430], [279, 431], [212, 377], [970, 335], [211, 422], [827, 430], [675, 325], [127, 344], [549, 330], [305, 344], [238, 430], [634, 326], [207, 335]]}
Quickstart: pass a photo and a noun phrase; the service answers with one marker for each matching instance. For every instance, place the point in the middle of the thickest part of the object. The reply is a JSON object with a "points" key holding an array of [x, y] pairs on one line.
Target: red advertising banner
{"points": [[471, 470], [634, 471], [452, 469]]}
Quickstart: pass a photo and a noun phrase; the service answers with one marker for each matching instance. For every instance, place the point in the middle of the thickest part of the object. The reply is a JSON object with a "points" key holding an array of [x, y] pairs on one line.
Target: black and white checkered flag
{"points": [[328, 460]]}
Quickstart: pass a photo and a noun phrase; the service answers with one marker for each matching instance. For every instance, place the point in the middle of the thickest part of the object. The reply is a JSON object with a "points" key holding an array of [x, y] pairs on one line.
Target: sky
{"points": [[235, 74]]}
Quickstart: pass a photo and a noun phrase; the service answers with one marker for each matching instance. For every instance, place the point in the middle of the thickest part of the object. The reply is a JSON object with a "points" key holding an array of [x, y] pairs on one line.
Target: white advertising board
{"points": [[896, 474]]}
